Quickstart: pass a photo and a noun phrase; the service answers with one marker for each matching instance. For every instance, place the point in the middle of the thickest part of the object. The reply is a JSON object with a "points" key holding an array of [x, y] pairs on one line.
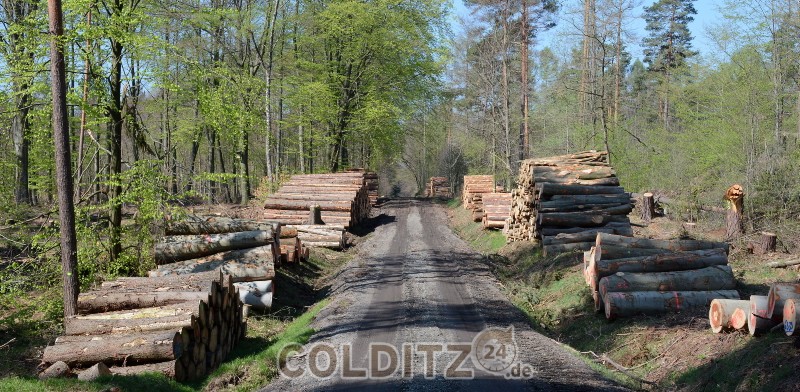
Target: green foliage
{"points": [[670, 41]]}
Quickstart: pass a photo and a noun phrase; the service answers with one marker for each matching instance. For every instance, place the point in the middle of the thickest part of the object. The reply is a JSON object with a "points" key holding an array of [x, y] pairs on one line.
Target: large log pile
{"points": [[182, 328], [472, 193], [566, 200], [629, 276], [496, 210], [761, 314], [343, 199], [438, 187], [372, 181]]}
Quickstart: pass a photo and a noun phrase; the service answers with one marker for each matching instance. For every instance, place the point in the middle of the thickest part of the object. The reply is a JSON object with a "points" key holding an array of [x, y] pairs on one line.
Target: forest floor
{"points": [[670, 352]]}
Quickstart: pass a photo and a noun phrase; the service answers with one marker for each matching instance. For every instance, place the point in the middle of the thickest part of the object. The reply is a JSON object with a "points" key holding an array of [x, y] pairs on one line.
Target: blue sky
{"points": [[707, 15]]}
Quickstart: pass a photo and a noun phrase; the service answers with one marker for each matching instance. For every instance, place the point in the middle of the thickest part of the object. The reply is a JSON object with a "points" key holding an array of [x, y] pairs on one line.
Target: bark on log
{"points": [[98, 302], [552, 250], [301, 205], [550, 189], [132, 321], [130, 348], [94, 372], [721, 312], [679, 261], [734, 226], [651, 302], [602, 209], [719, 277], [604, 239], [574, 219], [568, 238], [242, 264], [192, 282], [759, 319], [783, 263], [619, 228], [648, 207], [195, 224], [556, 200], [172, 369], [778, 294], [315, 215], [185, 247], [791, 314]]}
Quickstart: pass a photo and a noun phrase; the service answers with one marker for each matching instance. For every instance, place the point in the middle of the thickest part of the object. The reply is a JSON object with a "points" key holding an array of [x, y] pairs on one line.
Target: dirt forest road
{"points": [[414, 281]]}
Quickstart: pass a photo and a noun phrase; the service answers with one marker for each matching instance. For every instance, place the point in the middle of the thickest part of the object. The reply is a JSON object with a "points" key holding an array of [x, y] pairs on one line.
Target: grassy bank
{"points": [[672, 352], [301, 293]]}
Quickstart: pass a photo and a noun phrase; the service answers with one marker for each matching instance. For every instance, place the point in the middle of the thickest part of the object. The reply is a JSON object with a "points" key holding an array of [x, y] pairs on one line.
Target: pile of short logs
{"points": [[438, 187], [629, 276], [183, 328], [496, 210], [566, 200], [343, 199], [761, 314], [323, 236], [472, 193]]}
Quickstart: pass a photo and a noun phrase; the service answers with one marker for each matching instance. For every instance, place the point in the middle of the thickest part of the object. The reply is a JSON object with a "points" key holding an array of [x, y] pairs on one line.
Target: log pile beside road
{"points": [[182, 328], [343, 199], [372, 182], [761, 313], [566, 200], [322, 236], [496, 210], [438, 187], [472, 193], [630, 276]]}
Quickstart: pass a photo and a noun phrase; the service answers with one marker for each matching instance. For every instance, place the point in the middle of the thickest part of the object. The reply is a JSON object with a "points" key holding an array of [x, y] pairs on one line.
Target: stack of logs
{"points": [[343, 199], [371, 180], [182, 328], [566, 200], [629, 276], [472, 194], [496, 210], [438, 187], [761, 314], [323, 236]]}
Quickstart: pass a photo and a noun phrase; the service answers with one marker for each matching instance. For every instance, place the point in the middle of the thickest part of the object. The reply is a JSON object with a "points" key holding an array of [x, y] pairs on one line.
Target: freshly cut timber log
{"points": [[574, 219], [550, 189], [600, 209], [767, 243], [679, 261], [790, 316], [718, 277], [609, 252], [620, 304], [778, 294], [192, 282], [172, 369], [721, 312], [739, 318], [241, 264], [604, 239], [569, 238], [648, 207], [784, 263], [288, 232], [734, 226], [117, 348], [94, 302], [314, 235], [620, 228], [135, 320], [759, 319], [552, 250], [300, 205], [257, 294], [195, 224], [184, 247]]}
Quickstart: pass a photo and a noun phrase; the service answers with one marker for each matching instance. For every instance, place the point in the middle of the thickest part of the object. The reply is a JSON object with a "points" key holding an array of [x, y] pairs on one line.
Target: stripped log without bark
{"points": [[778, 294], [185, 247], [759, 319], [721, 314], [790, 316], [652, 302]]}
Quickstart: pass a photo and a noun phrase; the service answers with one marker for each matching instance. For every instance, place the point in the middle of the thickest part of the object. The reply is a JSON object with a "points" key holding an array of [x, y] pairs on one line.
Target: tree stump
{"points": [[315, 215], [767, 243], [648, 207], [734, 226]]}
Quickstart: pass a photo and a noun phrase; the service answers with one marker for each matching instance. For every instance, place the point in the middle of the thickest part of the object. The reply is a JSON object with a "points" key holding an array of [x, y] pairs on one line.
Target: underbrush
{"points": [[669, 352]]}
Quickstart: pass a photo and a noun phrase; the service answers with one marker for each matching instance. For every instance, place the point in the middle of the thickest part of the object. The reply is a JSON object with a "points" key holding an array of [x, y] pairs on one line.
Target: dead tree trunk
{"points": [[734, 226]]}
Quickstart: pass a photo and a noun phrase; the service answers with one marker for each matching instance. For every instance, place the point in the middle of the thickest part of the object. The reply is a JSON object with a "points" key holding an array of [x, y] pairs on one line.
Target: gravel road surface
{"points": [[414, 282]]}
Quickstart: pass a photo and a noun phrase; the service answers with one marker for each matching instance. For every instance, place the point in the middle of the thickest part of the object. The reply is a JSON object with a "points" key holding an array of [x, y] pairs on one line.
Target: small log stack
{"points": [[343, 198], [472, 194], [629, 276], [496, 210], [182, 328], [323, 236], [439, 188], [566, 200], [762, 312]]}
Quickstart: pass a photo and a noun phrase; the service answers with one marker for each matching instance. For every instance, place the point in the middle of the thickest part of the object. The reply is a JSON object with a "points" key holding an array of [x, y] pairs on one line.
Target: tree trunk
{"points": [[720, 314], [718, 277], [653, 302], [171, 369], [103, 301], [767, 243], [242, 265], [577, 219], [184, 247], [648, 207], [778, 294], [195, 224], [315, 215], [128, 348], [550, 189], [132, 321], [600, 266], [604, 239], [759, 319], [66, 208], [734, 226]]}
